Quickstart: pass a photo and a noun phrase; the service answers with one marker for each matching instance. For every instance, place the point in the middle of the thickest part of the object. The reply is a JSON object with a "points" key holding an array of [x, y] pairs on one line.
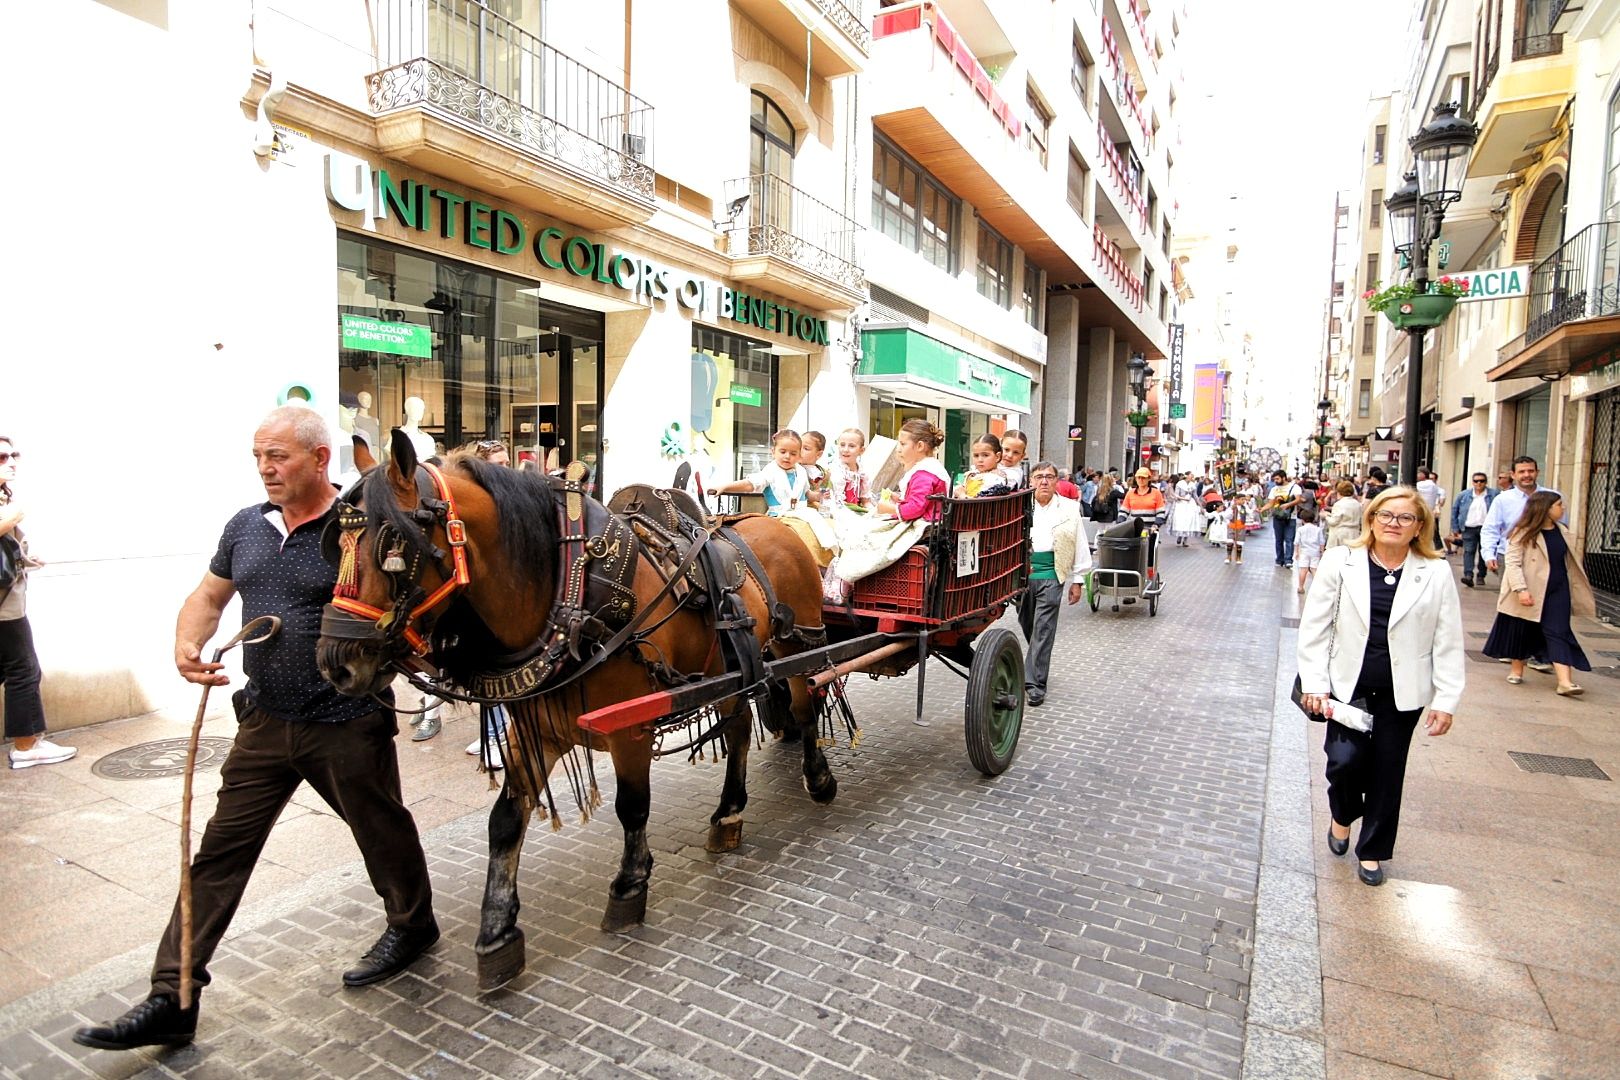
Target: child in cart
{"points": [[849, 484], [789, 495], [1244, 519]]}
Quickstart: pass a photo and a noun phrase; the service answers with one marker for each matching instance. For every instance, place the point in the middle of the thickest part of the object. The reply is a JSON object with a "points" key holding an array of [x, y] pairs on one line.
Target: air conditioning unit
{"points": [[1468, 402], [635, 145]]}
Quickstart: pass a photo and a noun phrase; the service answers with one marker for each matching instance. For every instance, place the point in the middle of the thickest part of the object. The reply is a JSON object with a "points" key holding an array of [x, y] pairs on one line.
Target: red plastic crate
{"points": [[901, 587]]}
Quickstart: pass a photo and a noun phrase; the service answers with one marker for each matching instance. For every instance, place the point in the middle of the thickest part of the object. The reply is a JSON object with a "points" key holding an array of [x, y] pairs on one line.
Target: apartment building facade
{"points": [[1528, 369], [1020, 218], [1355, 338], [519, 220]]}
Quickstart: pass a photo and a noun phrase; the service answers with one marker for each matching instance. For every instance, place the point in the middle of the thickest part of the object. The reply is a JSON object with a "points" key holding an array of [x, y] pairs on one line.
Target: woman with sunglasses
{"points": [[1381, 632], [19, 664]]}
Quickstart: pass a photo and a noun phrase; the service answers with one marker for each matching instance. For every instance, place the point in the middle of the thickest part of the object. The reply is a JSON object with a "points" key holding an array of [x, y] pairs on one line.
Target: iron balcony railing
{"points": [[1533, 45], [1581, 280], [779, 219], [460, 58], [850, 17], [1486, 77]]}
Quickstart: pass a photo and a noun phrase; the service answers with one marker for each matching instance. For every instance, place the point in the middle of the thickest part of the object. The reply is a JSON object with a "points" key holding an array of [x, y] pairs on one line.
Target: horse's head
{"points": [[400, 549]]}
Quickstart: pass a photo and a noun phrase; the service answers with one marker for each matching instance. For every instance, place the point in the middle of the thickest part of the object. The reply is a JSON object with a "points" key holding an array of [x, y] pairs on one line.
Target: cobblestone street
{"points": [[1091, 912]]}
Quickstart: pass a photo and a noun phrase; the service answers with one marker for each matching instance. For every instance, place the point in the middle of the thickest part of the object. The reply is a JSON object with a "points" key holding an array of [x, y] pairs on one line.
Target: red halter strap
{"points": [[459, 579]]}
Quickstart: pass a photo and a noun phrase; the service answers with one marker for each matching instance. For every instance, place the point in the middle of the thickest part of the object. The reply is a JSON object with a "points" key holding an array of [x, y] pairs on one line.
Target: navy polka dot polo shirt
{"points": [[285, 575]]}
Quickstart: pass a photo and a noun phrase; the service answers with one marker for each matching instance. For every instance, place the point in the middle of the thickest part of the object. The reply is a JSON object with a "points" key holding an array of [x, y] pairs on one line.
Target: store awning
{"points": [[904, 361], [1568, 349]]}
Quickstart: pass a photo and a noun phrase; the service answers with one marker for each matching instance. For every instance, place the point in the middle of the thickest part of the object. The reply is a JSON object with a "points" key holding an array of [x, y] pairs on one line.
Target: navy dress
{"points": [[1551, 639]]}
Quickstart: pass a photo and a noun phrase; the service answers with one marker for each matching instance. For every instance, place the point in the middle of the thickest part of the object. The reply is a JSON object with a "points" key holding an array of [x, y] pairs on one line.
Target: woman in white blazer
{"points": [[1382, 631]]}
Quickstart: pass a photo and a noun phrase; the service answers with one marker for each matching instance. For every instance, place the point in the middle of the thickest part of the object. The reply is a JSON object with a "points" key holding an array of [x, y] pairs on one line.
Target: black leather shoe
{"points": [[1034, 698], [1335, 845], [1468, 581], [157, 1021], [392, 954], [1375, 876]]}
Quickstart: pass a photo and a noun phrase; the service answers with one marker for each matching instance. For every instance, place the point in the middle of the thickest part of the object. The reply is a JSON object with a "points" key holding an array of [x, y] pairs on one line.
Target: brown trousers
{"points": [[352, 765]]}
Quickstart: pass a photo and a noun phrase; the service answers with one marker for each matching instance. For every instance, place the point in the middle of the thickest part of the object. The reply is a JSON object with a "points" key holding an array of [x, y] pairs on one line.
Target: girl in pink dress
{"points": [[924, 475]]}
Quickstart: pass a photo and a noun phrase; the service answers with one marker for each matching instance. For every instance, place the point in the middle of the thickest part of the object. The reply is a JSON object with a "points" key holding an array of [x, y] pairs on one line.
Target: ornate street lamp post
{"points": [[1416, 211], [1137, 374], [1323, 407]]}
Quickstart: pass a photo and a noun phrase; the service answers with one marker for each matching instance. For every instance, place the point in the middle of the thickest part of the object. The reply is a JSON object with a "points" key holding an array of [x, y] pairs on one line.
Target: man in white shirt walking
{"points": [[1429, 489], [1058, 555], [1468, 521]]}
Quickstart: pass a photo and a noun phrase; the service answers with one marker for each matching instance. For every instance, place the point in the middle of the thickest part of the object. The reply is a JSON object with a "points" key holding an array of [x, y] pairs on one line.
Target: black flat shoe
{"points": [[157, 1021], [392, 954], [1335, 845], [1375, 876]]}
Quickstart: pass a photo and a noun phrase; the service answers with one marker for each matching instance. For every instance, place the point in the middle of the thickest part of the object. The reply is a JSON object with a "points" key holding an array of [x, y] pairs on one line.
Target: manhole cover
{"points": [[1291, 622], [165, 757], [1583, 768]]}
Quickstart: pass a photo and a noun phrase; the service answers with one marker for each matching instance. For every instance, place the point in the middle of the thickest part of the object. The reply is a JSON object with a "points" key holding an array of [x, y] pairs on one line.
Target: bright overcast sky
{"points": [[1285, 88]]}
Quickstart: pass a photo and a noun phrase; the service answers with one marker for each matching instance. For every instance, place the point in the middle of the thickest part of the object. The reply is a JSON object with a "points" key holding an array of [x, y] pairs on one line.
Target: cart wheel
{"points": [[1095, 603], [1153, 605], [994, 710]]}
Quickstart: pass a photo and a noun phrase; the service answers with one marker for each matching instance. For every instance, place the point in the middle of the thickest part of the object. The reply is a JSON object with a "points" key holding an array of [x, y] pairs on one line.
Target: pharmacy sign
{"points": [[1504, 283]]}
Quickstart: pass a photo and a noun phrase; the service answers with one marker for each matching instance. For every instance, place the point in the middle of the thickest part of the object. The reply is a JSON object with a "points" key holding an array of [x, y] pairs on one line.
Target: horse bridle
{"points": [[349, 618]]}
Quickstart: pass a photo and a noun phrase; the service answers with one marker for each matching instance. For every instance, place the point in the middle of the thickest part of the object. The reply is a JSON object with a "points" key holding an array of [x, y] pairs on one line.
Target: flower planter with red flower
{"points": [[1409, 309]]}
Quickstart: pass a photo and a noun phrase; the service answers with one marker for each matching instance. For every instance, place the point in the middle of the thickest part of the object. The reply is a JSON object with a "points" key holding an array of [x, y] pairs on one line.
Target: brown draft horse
{"points": [[511, 549]]}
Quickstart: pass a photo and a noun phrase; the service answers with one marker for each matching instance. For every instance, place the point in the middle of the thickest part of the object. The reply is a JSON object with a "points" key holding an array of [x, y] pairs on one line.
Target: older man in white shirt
{"points": [[1058, 554]]}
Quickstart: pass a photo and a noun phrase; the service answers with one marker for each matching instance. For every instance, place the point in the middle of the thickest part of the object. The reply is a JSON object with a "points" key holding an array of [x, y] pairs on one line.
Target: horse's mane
{"points": [[527, 507], [524, 501]]}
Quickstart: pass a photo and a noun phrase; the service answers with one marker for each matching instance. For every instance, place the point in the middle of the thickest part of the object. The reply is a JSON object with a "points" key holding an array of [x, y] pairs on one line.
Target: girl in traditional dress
{"points": [[924, 475], [849, 484], [898, 520], [1186, 516], [986, 472], [788, 495]]}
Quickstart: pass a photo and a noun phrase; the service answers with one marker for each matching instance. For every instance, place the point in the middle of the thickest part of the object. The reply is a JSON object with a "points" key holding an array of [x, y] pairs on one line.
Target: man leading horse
{"points": [[292, 727]]}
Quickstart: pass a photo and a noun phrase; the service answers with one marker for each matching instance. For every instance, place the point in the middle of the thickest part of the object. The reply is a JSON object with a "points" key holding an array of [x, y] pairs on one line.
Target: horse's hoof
{"points": [[501, 964], [724, 836], [626, 914], [824, 794]]}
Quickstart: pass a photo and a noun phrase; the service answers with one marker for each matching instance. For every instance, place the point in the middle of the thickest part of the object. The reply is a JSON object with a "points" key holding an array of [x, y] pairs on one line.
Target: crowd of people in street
{"points": [[1380, 639]]}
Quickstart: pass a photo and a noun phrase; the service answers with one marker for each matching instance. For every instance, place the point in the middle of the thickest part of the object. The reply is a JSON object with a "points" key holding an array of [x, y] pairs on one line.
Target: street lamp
{"points": [[1323, 407], [1137, 374], [1416, 211]]}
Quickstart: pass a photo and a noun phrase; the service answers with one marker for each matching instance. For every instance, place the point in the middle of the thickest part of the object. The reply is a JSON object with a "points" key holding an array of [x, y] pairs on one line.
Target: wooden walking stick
{"points": [[263, 628]]}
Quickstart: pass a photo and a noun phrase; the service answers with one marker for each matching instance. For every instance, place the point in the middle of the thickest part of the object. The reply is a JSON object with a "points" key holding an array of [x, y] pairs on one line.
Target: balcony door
{"points": [[772, 143]]}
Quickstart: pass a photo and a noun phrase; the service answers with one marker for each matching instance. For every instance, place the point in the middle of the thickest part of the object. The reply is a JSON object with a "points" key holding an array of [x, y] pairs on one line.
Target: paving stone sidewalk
{"points": [[1089, 913], [1493, 950]]}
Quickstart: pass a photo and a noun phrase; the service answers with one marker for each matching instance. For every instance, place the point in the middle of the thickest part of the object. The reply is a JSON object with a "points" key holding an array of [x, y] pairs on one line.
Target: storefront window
{"points": [[1530, 425], [734, 389], [481, 352]]}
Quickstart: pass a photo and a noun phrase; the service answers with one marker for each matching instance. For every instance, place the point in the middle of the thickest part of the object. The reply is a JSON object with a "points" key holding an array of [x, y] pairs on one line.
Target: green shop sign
{"points": [[746, 395], [922, 359], [394, 338], [493, 229]]}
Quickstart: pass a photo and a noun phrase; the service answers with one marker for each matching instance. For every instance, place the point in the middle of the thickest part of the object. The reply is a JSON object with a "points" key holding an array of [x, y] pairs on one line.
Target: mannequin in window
{"points": [[415, 409], [366, 424], [348, 410]]}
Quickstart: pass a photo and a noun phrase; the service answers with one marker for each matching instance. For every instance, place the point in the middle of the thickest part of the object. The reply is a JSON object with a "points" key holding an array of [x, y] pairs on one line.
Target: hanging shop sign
{"points": [[453, 216], [1178, 334], [1502, 283], [746, 395], [393, 338]]}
